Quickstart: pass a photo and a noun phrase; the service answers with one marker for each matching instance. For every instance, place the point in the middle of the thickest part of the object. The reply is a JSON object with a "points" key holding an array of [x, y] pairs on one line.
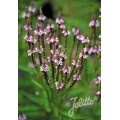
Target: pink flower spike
{"points": [[44, 67], [94, 23], [62, 26], [39, 32], [90, 50], [22, 117], [75, 63], [41, 17], [50, 26], [27, 27], [76, 77], [98, 80], [39, 50], [66, 33], [30, 52], [62, 54], [32, 9], [66, 69], [52, 58], [59, 20], [59, 62], [59, 85], [75, 31], [85, 39], [26, 15], [30, 38]]}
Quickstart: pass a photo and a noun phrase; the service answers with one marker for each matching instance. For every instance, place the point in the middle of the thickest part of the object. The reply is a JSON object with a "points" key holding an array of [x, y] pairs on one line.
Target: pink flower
{"points": [[75, 63], [94, 23], [26, 15], [39, 50], [59, 62], [59, 85], [76, 77], [39, 32], [54, 51], [62, 26], [41, 17], [44, 67], [28, 27], [30, 52], [52, 58], [96, 49], [66, 33], [22, 117], [98, 80], [29, 38], [59, 20], [66, 69], [31, 9], [80, 37], [39, 24], [90, 50], [50, 26], [51, 40], [84, 53], [75, 31], [63, 54]]}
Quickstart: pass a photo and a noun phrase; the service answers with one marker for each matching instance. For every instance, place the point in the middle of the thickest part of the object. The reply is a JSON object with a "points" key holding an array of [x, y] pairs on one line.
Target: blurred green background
{"points": [[32, 100]]}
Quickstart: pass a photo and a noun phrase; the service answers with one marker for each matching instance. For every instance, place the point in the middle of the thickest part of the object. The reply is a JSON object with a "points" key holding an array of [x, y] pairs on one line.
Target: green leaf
{"points": [[37, 84], [26, 69]]}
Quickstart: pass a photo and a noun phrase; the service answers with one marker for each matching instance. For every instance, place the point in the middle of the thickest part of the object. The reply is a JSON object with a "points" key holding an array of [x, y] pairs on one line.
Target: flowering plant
{"points": [[60, 67]]}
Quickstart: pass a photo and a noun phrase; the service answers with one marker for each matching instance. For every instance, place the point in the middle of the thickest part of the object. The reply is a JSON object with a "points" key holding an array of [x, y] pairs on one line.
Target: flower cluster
{"points": [[50, 45]]}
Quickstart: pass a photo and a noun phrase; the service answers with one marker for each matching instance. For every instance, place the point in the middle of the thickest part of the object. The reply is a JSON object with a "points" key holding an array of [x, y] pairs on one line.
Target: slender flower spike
{"points": [[26, 15], [66, 32], [50, 26], [80, 37], [59, 85], [76, 77], [59, 62], [59, 20], [41, 17], [75, 31], [22, 117], [85, 39], [39, 50], [96, 49], [27, 27], [51, 40], [29, 38], [44, 67], [31, 9], [63, 54], [30, 52], [52, 58], [66, 69], [39, 32], [84, 53], [94, 23], [62, 26], [90, 50], [98, 80], [75, 63]]}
